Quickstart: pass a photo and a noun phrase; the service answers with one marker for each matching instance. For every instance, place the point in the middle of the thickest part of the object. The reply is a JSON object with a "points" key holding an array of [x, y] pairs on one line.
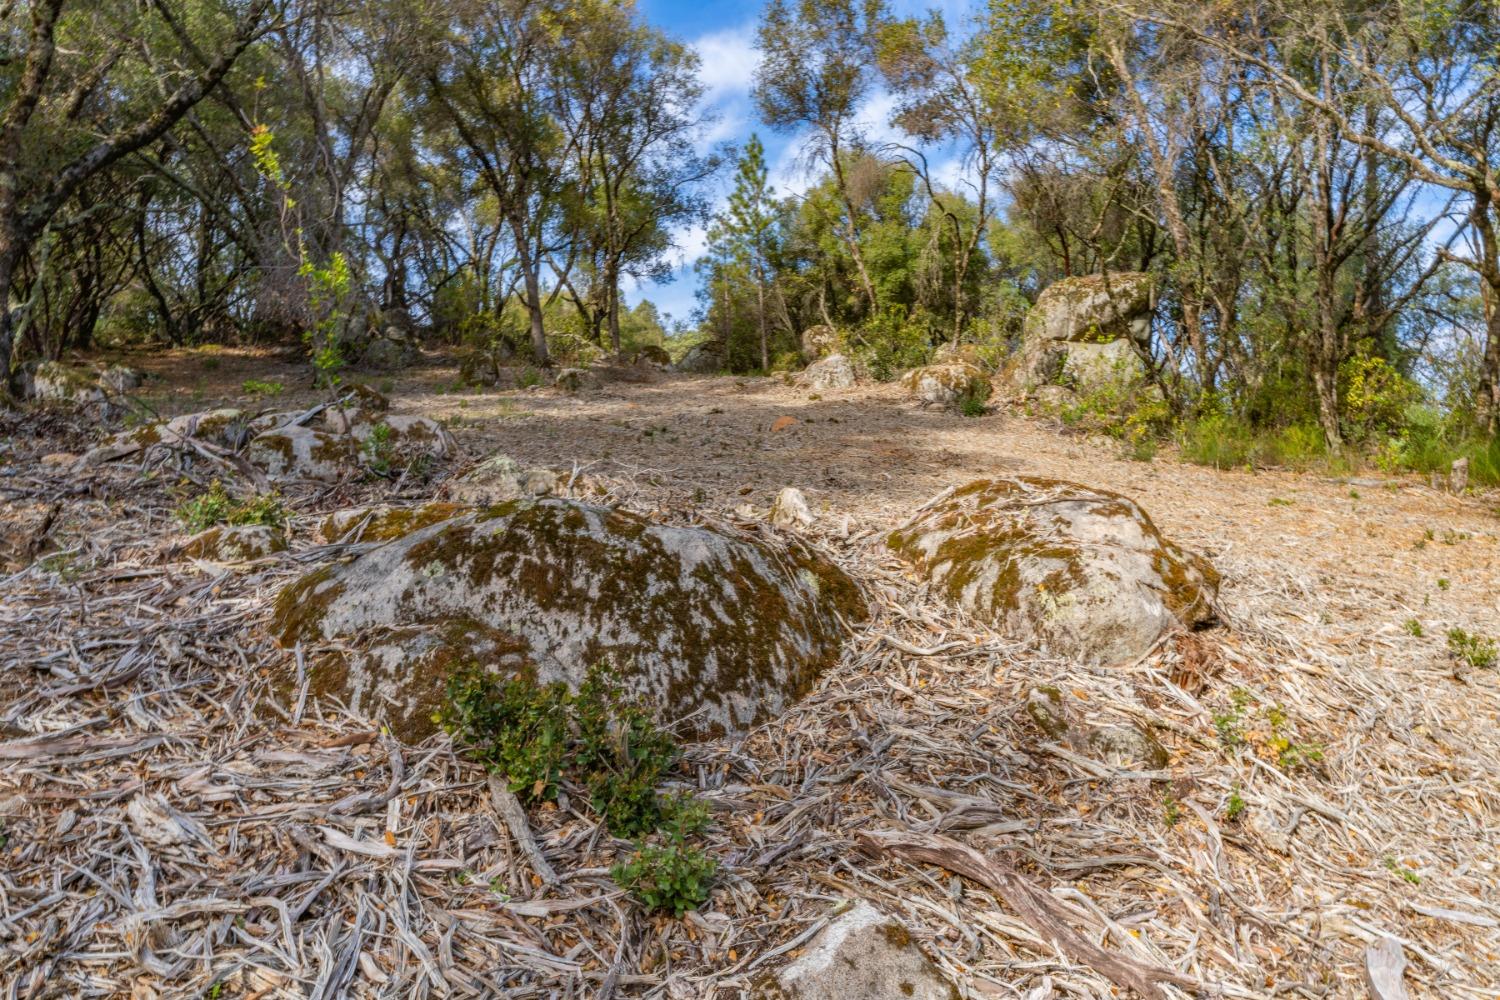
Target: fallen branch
{"points": [[1033, 905], [514, 817]]}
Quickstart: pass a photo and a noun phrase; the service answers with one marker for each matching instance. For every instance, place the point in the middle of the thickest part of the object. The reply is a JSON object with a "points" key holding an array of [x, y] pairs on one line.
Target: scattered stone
{"points": [[706, 358], [820, 342], [302, 453], [832, 372], [119, 378], [55, 382], [577, 380], [1082, 571], [717, 631], [238, 543], [1046, 707], [1458, 476], [861, 955], [500, 478], [24, 527], [1129, 746], [947, 385], [790, 509]]}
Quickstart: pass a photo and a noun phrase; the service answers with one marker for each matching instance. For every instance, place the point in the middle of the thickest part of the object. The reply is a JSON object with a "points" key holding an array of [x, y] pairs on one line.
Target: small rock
{"points": [[783, 423], [500, 478], [238, 543], [577, 380], [1128, 746], [24, 527], [832, 372], [1047, 709], [790, 509], [861, 955], [302, 453], [1458, 476], [947, 386], [118, 378]]}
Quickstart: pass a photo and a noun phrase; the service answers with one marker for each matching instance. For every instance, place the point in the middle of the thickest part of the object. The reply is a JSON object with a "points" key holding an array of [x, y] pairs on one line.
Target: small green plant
{"points": [[1414, 627], [1171, 810], [1406, 874], [257, 387], [1478, 651], [1443, 583], [1235, 805], [1227, 723], [1289, 753], [671, 878], [216, 506], [211, 364], [529, 377], [1280, 502], [378, 449], [972, 404], [540, 737], [1353, 494]]}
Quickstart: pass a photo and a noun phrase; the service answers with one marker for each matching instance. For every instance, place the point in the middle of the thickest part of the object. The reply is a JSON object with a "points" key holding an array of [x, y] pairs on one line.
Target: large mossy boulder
{"points": [[706, 358], [833, 372], [1091, 333], [948, 386], [820, 342], [1084, 572], [719, 632]]}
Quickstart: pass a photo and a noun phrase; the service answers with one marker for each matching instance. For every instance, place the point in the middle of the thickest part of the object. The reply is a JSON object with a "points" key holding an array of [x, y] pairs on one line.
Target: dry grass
{"points": [[169, 828]]}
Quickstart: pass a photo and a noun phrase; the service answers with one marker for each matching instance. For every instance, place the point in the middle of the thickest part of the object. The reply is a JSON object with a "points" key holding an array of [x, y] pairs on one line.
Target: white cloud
{"points": [[729, 61]]}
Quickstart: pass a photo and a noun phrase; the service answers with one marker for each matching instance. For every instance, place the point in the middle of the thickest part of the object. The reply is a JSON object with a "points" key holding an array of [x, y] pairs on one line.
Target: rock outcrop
{"points": [[833, 372], [947, 385], [861, 955], [55, 382], [706, 358], [718, 631], [500, 478], [1087, 333], [1084, 572], [820, 342]]}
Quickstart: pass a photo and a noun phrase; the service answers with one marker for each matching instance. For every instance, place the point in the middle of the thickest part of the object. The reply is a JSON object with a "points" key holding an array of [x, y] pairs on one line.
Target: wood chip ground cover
{"points": [[169, 828]]}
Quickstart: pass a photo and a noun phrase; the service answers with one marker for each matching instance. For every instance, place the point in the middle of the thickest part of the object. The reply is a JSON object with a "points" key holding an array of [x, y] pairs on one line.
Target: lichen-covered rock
{"points": [[1082, 571], [1090, 333], [1128, 746], [236, 543], [832, 372], [1093, 308], [861, 955], [364, 397], [706, 358], [577, 380], [225, 427], [119, 378], [292, 453], [820, 342], [389, 351], [500, 478], [947, 385], [55, 382], [653, 354], [383, 523], [720, 631], [401, 438]]}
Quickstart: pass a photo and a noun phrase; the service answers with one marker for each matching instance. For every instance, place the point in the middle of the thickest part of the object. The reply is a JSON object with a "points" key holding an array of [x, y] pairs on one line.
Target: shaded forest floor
{"points": [[1332, 775]]}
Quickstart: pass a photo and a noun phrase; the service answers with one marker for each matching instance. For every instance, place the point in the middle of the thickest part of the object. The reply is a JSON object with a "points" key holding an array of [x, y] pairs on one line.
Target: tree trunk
{"points": [[1489, 370], [533, 282], [613, 291], [765, 348]]}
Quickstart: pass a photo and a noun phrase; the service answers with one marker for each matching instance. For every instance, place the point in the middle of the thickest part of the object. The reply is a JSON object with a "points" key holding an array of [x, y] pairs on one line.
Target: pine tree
{"points": [[745, 231]]}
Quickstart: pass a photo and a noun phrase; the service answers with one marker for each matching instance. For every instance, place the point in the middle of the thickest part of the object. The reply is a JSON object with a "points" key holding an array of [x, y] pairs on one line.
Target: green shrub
{"points": [[216, 506], [515, 728], [529, 377], [1216, 440], [378, 450], [1374, 397], [671, 878], [893, 343], [257, 387], [1478, 651]]}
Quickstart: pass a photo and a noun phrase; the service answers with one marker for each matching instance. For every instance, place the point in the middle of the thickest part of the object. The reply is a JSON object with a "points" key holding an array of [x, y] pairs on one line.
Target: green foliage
{"points": [[1475, 650], [1235, 805], [1226, 443], [670, 878], [1406, 874], [378, 450], [216, 506], [258, 387], [529, 377], [1414, 628], [893, 343], [538, 737], [1375, 397]]}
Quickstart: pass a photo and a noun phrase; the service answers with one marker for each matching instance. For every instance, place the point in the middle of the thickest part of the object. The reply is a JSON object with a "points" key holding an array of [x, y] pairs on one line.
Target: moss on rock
{"points": [[1083, 571], [720, 631]]}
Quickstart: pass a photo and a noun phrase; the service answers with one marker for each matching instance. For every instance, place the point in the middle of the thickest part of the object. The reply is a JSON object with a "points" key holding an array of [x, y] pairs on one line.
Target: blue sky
{"points": [[724, 36]]}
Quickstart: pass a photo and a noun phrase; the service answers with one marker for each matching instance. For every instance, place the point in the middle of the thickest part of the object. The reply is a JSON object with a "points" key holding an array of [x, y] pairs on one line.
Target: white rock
{"points": [[861, 955], [790, 509]]}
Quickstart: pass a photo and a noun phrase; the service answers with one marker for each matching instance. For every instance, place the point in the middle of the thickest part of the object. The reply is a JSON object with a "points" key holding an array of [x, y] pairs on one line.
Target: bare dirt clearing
{"points": [[1331, 778]]}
